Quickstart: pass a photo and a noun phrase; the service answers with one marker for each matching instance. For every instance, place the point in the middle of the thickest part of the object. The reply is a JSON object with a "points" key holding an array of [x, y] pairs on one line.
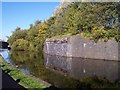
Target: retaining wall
{"points": [[76, 46]]}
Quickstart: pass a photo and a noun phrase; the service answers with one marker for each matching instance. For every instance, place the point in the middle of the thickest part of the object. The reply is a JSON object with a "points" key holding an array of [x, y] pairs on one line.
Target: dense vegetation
{"points": [[97, 21]]}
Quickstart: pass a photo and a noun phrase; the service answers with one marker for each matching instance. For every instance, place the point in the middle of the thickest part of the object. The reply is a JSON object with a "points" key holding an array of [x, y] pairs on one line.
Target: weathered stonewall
{"points": [[76, 46]]}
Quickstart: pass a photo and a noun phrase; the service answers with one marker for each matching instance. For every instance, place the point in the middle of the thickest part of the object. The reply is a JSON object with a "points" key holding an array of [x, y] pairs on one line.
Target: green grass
{"points": [[26, 80]]}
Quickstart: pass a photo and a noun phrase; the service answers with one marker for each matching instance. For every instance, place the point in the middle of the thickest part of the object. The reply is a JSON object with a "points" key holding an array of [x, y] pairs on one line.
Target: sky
{"points": [[22, 14]]}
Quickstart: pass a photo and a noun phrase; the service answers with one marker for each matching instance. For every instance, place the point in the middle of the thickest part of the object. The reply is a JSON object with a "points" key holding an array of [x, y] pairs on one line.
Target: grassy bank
{"points": [[26, 81]]}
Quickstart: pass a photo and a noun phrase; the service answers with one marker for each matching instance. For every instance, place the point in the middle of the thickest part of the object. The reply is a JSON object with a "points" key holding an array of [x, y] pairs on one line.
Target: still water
{"points": [[61, 71]]}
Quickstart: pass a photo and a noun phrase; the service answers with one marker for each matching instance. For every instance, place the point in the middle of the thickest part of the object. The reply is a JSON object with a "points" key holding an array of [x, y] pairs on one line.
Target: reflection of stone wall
{"points": [[57, 63], [79, 47], [89, 67], [80, 68]]}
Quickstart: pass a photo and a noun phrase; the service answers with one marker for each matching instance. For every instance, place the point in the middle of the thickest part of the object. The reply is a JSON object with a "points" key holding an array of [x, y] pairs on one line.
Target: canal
{"points": [[59, 71]]}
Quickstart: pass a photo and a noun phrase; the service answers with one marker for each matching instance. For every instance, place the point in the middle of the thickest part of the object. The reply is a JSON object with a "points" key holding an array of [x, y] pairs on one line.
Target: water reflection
{"points": [[33, 63], [5, 54], [80, 68], [60, 71], [28, 61]]}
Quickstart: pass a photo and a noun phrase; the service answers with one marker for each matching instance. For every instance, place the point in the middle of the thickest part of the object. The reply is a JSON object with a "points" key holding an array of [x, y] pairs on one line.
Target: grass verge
{"points": [[26, 81]]}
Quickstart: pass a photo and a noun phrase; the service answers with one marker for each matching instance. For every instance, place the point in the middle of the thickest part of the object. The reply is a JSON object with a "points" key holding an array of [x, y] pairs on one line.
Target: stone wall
{"points": [[76, 46]]}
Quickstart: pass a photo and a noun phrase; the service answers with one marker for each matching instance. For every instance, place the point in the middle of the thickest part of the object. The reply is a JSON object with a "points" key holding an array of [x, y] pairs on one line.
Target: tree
{"points": [[83, 17], [37, 22], [31, 26], [20, 44], [18, 34], [18, 28]]}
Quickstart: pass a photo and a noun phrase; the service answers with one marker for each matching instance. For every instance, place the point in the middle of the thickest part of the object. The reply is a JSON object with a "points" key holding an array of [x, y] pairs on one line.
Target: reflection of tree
{"points": [[19, 57], [26, 58], [34, 63]]}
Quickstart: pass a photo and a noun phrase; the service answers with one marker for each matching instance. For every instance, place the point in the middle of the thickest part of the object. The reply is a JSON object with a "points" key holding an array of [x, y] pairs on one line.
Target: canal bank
{"points": [[8, 82], [19, 79]]}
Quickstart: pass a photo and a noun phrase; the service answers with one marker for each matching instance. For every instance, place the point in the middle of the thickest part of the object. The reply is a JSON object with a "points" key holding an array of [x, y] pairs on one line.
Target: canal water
{"points": [[61, 71]]}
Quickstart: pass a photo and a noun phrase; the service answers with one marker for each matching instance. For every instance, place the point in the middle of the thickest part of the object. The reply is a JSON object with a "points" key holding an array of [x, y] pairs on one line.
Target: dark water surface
{"points": [[61, 71]]}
